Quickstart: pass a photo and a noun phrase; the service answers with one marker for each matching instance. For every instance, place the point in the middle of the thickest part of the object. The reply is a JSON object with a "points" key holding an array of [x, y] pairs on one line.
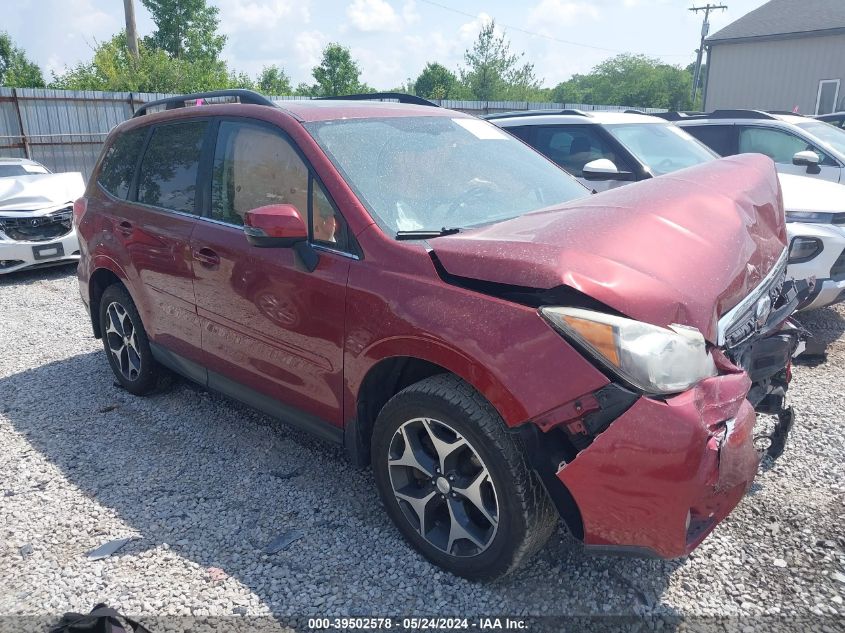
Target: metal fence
{"points": [[65, 129]]}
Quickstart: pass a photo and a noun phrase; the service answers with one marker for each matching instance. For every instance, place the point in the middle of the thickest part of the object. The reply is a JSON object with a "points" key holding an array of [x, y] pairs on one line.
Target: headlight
{"points": [[803, 249], [654, 359]]}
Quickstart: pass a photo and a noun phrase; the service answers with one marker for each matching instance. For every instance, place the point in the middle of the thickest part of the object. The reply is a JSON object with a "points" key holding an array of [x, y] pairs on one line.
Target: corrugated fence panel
{"points": [[65, 129]]}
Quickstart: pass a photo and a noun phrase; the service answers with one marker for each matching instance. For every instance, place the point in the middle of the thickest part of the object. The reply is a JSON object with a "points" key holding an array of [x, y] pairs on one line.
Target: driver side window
{"points": [[572, 147], [778, 145], [255, 166]]}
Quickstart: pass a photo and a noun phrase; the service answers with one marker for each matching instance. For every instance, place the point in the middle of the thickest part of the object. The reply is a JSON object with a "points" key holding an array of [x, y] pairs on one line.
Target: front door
{"points": [[781, 146], [269, 324]]}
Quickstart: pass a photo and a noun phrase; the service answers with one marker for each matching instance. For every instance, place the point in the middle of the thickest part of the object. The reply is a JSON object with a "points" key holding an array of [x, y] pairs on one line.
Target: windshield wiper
{"points": [[425, 233]]}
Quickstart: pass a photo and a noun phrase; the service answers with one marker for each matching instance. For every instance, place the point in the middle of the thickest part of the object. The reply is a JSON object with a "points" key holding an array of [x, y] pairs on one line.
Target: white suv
{"points": [[798, 145], [608, 149]]}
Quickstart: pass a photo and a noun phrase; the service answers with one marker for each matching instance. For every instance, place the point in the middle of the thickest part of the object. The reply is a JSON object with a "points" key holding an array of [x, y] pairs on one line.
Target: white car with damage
{"points": [[36, 215], [815, 214]]}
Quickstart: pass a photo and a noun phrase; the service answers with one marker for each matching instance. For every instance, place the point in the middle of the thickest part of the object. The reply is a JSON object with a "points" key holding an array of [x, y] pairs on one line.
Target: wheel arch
{"points": [[105, 274]]}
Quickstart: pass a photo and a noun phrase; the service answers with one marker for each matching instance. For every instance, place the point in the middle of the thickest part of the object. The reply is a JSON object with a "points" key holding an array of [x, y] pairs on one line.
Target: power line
{"points": [[544, 36]]}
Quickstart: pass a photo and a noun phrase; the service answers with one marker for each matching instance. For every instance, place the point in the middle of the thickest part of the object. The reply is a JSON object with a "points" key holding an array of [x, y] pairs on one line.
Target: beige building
{"points": [[784, 55]]}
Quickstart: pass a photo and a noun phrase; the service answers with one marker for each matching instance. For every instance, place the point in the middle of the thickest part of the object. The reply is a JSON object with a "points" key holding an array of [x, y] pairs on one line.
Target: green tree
{"points": [[493, 72], [273, 80], [631, 80], [16, 70], [112, 68], [435, 82], [185, 29], [337, 73]]}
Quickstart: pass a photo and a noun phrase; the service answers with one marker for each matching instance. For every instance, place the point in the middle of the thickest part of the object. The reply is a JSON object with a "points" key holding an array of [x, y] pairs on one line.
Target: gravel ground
{"points": [[204, 485]]}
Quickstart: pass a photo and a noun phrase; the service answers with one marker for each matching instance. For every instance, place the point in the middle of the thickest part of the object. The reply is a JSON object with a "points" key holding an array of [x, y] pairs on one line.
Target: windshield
{"points": [[829, 135], [663, 148], [429, 173]]}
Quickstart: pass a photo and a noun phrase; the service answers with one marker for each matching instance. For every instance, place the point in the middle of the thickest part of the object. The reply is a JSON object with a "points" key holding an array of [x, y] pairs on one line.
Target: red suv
{"points": [[458, 312]]}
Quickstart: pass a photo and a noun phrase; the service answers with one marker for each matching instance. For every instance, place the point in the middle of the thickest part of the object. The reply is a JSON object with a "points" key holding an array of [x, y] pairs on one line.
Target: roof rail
{"points": [[738, 114], [518, 113], [789, 112], [716, 114], [401, 97], [632, 111], [172, 103], [679, 115]]}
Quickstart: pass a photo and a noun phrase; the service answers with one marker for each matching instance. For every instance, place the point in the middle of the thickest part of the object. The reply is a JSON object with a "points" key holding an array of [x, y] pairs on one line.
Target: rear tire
{"points": [[456, 483], [125, 342]]}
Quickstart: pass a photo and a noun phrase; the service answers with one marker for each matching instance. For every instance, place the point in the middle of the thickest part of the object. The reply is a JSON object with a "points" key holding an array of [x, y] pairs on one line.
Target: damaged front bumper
{"points": [[37, 240], [632, 473]]}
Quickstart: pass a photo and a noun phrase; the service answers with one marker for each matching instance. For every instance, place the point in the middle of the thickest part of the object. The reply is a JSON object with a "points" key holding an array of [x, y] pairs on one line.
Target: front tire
{"points": [[455, 482], [126, 343]]}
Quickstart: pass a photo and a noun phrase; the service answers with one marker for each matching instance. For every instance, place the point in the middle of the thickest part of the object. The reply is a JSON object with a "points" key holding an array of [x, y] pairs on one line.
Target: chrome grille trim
{"points": [[735, 314]]}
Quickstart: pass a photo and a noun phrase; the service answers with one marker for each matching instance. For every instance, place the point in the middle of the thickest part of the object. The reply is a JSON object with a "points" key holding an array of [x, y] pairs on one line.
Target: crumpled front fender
{"points": [[665, 473]]}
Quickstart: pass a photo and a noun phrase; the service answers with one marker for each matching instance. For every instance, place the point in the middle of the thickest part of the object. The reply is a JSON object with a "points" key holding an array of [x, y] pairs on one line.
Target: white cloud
{"points": [[236, 15], [379, 16], [555, 13], [373, 16], [308, 47]]}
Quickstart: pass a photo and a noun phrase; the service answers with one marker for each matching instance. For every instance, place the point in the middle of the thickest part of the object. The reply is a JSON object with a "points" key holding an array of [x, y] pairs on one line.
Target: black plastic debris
{"points": [[107, 549], [283, 541]]}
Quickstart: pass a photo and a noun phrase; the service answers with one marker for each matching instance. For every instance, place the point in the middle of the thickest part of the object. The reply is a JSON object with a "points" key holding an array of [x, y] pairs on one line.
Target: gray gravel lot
{"points": [[205, 485]]}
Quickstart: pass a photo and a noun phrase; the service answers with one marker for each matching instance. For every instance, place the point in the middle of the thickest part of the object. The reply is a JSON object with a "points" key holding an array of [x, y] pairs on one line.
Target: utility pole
{"points": [[705, 29], [131, 31]]}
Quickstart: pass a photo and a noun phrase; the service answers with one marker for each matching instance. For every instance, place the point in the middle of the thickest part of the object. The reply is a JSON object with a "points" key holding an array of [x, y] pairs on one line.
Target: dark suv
{"points": [[453, 308]]}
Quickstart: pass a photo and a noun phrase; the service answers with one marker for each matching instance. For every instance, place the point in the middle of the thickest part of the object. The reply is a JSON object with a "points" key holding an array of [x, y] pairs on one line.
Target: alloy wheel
{"points": [[443, 487], [122, 341]]}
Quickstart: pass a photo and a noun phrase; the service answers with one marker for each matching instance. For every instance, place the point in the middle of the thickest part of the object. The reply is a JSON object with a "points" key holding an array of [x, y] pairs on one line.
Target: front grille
{"points": [[41, 228], [838, 270], [742, 321]]}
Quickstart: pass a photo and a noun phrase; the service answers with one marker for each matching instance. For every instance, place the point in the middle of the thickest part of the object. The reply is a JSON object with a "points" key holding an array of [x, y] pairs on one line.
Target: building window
{"points": [[828, 96]]}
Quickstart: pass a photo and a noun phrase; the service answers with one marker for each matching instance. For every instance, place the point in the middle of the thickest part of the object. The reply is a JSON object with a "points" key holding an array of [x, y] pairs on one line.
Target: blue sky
{"points": [[391, 39]]}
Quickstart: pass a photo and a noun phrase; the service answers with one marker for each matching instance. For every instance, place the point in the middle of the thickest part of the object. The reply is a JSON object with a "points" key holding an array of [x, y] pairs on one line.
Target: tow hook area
{"points": [[772, 442]]}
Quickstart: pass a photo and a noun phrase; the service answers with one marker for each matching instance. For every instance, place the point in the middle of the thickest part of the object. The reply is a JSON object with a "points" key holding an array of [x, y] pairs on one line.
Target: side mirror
{"points": [[806, 158], [275, 226], [604, 169]]}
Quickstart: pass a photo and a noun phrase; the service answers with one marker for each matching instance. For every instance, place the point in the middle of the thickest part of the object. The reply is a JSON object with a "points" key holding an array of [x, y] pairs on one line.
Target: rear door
{"points": [[271, 327], [154, 228]]}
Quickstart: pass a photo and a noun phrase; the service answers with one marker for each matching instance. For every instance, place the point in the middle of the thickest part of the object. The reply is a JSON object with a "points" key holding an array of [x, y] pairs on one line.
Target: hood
{"points": [[683, 248], [40, 191], [811, 195]]}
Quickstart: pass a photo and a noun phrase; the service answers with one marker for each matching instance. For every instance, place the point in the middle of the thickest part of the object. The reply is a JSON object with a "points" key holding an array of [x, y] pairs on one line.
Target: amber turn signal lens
{"points": [[599, 335]]}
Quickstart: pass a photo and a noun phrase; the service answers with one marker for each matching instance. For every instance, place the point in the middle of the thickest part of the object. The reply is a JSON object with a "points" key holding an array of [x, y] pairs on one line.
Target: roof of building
{"points": [[785, 17]]}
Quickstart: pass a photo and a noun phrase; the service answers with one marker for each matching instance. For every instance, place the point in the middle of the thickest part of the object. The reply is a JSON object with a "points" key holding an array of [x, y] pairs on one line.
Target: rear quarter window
{"points": [[119, 163]]}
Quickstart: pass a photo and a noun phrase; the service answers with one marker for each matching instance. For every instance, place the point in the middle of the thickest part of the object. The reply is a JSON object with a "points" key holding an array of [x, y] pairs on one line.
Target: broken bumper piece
{"points": [[666, 472]]}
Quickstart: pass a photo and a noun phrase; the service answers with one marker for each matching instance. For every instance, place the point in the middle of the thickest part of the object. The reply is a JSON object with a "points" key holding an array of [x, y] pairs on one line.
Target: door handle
{"points": [[207, 257], [124, 227]]}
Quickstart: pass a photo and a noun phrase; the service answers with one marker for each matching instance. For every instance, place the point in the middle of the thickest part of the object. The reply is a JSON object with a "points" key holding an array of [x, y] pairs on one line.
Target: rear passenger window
{"points": [[119, 164], [719, 138], [168, 174]]}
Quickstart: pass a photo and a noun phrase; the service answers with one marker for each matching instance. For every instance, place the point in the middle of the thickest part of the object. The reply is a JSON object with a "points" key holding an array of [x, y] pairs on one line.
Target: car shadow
{"points": [[827, 326], [35, 275], [202, 477]]}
